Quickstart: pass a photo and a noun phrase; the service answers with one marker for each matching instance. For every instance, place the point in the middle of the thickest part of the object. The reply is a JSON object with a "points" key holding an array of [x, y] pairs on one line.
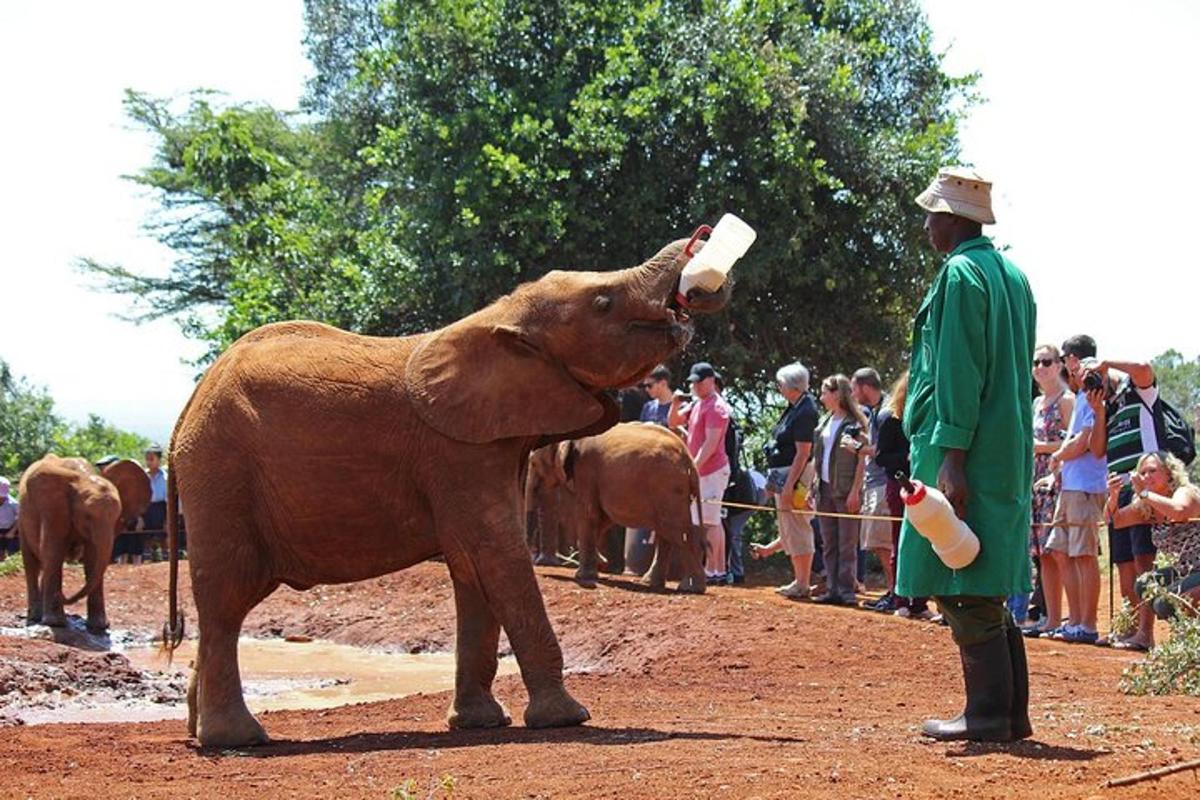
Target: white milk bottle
{"points": [[708, 269], [932, 515]]}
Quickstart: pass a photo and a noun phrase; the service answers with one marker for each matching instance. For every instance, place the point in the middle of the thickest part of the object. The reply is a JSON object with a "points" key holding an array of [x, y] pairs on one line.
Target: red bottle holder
{"points": [[703, 230]]}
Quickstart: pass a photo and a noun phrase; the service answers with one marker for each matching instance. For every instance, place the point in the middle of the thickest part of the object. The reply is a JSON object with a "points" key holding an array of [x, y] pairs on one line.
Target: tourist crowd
{"points": [[1109, 458]]}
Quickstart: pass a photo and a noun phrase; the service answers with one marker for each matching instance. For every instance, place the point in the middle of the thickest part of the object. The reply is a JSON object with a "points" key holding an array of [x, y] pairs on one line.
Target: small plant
{"points": [[443, 786], [13, 565], [1124, 622], [1172, 667]]}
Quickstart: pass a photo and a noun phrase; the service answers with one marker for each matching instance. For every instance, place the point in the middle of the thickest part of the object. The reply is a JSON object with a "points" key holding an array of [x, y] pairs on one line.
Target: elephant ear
{"points": [[478, 383]]}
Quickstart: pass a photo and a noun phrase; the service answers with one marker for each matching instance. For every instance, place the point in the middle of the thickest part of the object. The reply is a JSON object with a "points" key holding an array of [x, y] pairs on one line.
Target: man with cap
{"points": [[707, 418], [9, 508], [969, 420]]}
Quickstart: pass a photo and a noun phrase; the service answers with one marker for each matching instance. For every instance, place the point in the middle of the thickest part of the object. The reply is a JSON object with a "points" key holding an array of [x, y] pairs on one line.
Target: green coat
{"points": [[970, 389]]}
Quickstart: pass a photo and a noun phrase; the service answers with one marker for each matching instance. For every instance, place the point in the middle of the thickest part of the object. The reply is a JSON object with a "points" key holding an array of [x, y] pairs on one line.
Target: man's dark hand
{"points": [[952, 481]]}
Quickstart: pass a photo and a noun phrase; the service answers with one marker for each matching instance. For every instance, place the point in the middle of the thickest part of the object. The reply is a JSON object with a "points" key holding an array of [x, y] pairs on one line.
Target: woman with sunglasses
{"points": [[1051, 410]]}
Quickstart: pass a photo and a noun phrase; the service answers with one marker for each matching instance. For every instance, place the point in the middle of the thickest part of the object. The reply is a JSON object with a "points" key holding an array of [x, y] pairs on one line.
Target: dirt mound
{"points": [[43, 675]]}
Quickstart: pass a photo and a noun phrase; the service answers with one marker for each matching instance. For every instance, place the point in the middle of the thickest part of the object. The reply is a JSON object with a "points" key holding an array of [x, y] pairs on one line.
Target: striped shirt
{"points": [[1130, 426]]}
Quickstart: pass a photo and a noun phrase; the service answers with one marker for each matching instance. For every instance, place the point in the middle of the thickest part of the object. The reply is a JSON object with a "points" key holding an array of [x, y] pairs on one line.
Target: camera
{"points": [[1093, 381], [682, 395]]}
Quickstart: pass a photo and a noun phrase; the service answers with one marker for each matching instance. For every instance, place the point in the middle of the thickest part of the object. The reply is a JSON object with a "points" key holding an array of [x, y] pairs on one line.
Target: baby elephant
{"points": [[636, 475]]}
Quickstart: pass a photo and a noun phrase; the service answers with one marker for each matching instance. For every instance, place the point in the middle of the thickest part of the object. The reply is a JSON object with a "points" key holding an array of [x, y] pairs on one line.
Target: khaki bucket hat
{"points": [[959, 191]]}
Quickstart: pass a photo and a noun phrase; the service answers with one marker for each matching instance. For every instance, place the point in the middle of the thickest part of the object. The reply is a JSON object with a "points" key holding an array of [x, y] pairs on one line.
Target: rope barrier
{"points": [[884, 518]]}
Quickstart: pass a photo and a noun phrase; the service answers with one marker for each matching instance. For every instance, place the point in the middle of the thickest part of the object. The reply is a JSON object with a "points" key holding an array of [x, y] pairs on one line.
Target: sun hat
{"points": [[959, 191]]}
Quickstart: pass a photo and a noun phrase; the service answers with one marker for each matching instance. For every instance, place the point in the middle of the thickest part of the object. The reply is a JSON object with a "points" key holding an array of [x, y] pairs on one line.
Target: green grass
{"points": [[11, 566]]}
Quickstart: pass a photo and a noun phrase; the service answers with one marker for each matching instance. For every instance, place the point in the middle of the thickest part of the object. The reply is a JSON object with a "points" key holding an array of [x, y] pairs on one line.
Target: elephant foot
{"points": [[99, 626], [481, 712], [54, 619], [33, 618], [230, 730], [691, 585], [587, 580], [555, 709]]}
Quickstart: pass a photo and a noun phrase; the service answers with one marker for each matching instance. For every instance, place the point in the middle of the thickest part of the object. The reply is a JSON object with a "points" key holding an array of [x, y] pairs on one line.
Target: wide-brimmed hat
{"points": [[959, 191]]}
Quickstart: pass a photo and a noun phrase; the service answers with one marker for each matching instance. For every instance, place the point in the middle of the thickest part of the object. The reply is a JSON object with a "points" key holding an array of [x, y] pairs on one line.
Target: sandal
{"points": [[1130, 645]]}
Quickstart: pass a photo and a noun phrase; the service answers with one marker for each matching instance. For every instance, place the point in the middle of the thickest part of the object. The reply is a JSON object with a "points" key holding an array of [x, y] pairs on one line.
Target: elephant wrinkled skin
{"points": [[635, 475], [70, 511], [310, 455]]}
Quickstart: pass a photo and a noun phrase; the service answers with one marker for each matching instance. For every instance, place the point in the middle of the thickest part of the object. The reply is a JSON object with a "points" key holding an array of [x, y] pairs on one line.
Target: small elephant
{"points": [[309, 455], [635, 475], [70, 511]]}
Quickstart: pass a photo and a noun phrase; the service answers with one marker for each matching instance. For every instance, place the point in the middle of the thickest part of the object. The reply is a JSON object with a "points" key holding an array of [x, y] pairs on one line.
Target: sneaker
{"points": [[886, 604], [1060, 633], [794, 591], [1080, 635]]}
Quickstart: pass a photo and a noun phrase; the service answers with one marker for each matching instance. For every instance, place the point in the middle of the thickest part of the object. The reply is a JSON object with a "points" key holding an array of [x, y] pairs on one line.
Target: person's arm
{"points": [[1074, 447], [1140, 373], [961, 363], [1179, 507], [678, 415], [854, 499], [1099, 439], [803, 451]]}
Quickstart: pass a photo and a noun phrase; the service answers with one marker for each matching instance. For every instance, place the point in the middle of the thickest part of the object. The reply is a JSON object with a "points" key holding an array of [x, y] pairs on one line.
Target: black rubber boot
{"points": [[988, 675], [1021, 728]]}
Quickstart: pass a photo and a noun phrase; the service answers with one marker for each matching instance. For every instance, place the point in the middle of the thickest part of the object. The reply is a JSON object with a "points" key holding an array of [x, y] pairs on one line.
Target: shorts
{"points": [[795, 532], [1076, 526], [875, 534], [1126, 543], [712, 489]]}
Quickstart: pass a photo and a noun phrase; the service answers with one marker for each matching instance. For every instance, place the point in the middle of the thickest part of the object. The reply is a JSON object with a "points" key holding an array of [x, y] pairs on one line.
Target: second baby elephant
{"points": [[636, 475]]}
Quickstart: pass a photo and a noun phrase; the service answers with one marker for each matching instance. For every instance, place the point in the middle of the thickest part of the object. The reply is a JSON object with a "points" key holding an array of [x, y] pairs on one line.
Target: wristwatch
{"points": [[1144, 494]]}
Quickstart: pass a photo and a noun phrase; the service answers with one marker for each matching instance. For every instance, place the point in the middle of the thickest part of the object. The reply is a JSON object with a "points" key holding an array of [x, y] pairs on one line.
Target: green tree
{"points": [[96, 438], [30, 428], [1179, 384], [452, 149], [28, 424]]}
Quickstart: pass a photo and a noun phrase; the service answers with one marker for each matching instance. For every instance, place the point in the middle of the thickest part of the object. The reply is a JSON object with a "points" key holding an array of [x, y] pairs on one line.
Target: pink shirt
{"points": [[708, 417]]}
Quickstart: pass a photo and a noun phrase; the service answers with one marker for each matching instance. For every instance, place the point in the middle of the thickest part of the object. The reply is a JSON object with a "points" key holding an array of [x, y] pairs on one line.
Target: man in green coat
{"points": [[969, 419]]}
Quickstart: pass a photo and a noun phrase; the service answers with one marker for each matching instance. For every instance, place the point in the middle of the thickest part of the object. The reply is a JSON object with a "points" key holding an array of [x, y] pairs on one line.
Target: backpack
{"points": [[741, 487], [1173, 432]]}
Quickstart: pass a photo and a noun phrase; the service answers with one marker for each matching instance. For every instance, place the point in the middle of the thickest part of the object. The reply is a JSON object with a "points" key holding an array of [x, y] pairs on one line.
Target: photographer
{"points": [[1125, 418]]}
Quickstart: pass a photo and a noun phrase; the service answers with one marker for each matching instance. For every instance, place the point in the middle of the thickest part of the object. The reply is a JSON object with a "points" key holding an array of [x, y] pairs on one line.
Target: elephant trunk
{"points": [[661, 276]]}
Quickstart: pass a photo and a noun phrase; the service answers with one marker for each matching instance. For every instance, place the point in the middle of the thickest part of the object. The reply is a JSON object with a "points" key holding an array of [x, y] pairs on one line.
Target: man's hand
{"points": [[1044, 484], [786, 498], [952, 481], [853, 502], [1095, 400]]}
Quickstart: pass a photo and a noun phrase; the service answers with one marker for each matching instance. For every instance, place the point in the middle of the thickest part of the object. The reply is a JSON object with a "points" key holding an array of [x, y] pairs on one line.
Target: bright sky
{"points": [[1088, 134]]}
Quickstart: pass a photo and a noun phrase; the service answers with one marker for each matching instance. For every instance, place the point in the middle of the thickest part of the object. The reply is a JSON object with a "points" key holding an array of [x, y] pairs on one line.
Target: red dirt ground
{"points": [[738, 693]]}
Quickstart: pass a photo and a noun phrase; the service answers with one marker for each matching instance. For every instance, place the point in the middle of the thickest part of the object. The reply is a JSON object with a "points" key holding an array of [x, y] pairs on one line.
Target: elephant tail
{"points": [[95, 562], [173, 629]]}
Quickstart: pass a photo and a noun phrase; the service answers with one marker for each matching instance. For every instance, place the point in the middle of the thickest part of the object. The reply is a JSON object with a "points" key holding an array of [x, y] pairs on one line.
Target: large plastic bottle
{"points": [[932, 515], [708, 269]]}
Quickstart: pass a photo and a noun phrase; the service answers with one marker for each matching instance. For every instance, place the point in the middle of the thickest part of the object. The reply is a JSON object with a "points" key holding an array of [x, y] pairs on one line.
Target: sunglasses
{"points": [[645, 385], [1044, 362]]}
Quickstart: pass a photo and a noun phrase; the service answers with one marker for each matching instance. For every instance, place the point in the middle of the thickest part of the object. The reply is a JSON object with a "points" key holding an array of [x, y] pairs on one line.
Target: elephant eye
{"points": [[602, 303]]}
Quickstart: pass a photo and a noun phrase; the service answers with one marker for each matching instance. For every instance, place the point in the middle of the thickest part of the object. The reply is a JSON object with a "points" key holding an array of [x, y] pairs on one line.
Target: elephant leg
{"points": [[588, 571], [693, 581], [33, 591], [54, 552], [499, 561], [656, 576], [221, 718], [475, 662], [97, 619]]}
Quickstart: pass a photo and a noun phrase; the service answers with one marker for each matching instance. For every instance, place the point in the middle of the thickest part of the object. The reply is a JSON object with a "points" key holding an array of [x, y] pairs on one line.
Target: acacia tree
{"points": [[452, 149]]}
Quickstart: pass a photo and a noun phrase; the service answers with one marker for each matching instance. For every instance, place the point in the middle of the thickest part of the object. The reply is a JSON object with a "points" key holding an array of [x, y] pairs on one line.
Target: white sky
{"points": [[1088, 133]]}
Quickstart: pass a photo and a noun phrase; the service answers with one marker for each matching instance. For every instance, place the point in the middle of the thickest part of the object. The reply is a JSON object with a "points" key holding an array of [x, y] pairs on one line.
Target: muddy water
{"points": [[280, 675], [276, 675]]}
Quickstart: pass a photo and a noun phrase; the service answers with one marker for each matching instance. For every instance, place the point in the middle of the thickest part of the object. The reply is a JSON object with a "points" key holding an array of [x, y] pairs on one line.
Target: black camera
{"points": [[1092, 381]]}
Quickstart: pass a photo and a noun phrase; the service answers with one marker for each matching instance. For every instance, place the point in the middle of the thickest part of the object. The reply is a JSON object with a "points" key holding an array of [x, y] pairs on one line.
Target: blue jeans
{"points": [[734, 525]]}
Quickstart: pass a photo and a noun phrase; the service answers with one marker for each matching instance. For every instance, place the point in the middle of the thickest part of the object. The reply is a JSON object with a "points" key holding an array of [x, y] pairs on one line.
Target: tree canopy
{"points": [[30, 428], [447, 151]]}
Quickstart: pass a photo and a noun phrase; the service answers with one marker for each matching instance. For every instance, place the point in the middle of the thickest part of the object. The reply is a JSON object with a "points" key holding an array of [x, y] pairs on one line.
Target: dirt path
{"points": [[738, 693]]}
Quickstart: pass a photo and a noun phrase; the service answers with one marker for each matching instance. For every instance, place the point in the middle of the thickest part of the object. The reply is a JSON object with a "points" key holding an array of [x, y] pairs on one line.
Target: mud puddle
{"points": [[134, 682]]}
